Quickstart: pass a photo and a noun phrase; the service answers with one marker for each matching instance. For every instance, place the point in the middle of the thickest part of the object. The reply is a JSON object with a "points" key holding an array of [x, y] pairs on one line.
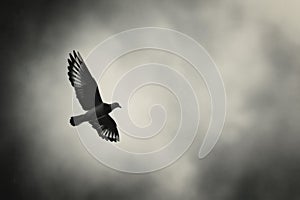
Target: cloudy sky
{"points": [[255, 45]]}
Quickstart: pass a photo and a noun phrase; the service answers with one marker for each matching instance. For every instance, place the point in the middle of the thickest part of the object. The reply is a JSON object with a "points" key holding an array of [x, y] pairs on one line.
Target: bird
{"points": [[88, 95]]}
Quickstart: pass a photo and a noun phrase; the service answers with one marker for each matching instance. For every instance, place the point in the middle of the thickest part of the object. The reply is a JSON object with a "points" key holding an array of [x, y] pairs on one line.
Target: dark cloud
{"points": [[38, 163]]}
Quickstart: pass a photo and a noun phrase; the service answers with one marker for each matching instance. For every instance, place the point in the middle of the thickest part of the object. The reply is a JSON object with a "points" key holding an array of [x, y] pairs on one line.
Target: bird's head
{"points": [[115, 105]]}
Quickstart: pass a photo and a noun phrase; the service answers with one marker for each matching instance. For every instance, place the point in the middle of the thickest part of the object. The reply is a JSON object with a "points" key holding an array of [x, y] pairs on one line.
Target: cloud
{"points": [[255, 46]]}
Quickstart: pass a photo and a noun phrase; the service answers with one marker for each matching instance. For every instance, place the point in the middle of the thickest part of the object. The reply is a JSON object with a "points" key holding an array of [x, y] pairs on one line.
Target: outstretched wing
{"points": [[106, 128], [85, 86]]}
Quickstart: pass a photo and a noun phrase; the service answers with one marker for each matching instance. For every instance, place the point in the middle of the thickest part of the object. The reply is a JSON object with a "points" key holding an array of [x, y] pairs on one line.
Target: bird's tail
{"points": [[76, 120]]}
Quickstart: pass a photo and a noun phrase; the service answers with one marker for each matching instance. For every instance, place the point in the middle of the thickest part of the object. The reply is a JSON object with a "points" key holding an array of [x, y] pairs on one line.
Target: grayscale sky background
{"points": [[256, 46]]}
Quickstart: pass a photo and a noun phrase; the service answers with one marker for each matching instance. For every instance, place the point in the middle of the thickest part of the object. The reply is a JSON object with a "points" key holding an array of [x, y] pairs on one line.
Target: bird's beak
{"points": [[120, 106]]}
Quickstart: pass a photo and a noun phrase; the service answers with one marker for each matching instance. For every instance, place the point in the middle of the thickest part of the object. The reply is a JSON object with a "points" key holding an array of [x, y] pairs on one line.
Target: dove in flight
{"points": [[88, 95]]}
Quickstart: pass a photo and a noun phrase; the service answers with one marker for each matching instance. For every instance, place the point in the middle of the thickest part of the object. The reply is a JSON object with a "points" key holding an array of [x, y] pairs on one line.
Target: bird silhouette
{"points": [[87, 92]]}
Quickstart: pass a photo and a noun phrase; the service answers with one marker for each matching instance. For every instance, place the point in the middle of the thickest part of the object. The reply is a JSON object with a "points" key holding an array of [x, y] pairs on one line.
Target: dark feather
{"points": [[106, 128], [85, 86]]}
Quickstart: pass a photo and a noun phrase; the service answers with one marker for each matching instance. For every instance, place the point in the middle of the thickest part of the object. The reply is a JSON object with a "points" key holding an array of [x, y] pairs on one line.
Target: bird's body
{"points": [[99, 111], [88, 94]]}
